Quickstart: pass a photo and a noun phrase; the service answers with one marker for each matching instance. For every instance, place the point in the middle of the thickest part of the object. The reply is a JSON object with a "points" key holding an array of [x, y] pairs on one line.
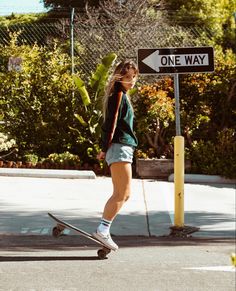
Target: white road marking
{"points": [[214, 268]]}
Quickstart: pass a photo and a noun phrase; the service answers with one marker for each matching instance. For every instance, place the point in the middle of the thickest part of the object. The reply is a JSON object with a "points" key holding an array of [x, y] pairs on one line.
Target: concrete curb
{"points": [[44, 173], [196, 178]]}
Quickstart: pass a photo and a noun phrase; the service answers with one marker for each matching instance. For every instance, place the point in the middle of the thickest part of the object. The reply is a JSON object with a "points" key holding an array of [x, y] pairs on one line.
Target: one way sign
{"points": [[175, 60]]}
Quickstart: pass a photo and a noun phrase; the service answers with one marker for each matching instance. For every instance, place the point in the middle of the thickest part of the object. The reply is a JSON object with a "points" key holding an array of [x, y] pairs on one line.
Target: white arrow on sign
{"points": [[156, 61]]}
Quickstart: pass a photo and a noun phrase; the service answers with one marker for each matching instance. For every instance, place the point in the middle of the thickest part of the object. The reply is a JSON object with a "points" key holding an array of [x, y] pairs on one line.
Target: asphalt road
{"points": [[42, 263], [149, 259]]}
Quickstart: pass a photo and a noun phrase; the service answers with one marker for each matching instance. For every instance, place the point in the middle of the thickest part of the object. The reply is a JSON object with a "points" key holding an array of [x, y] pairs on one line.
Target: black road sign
{"points": [[176, 60]]}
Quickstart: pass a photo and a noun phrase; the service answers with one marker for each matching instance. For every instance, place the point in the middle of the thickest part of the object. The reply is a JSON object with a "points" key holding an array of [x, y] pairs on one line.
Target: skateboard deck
{"points": [[61, 225]]}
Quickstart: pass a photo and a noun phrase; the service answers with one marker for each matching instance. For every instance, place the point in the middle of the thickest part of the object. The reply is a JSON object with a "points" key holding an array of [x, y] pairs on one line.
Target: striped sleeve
{"points": [[109, 125]]}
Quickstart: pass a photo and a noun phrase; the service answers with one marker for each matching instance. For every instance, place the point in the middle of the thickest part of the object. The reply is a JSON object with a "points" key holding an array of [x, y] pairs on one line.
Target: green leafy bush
{"points": [[215, 158], [6, 143], [37, 102], [208, 102], [41, 102], [154, 113], [31, 158], [62, 160]]}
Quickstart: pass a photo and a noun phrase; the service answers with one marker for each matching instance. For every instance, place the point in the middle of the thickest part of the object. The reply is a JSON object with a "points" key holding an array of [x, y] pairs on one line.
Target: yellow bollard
{"points": [[179, 180], [233, 259]]}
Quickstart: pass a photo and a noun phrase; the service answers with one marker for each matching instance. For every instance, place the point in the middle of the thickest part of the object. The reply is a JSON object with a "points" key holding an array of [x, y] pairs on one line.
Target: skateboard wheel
{"points": [[102, 254], [56, 232]]}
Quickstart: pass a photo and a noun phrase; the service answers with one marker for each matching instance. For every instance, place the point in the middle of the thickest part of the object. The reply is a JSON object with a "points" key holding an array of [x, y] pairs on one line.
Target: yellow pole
{"points": [[179, 180]]}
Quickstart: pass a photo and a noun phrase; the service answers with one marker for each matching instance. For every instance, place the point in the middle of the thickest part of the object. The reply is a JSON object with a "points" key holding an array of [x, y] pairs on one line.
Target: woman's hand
{"points": [[101, 156]]}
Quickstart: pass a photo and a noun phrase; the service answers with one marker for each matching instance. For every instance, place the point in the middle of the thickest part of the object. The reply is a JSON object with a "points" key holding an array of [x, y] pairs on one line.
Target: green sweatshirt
{"points": [[118, 124]]}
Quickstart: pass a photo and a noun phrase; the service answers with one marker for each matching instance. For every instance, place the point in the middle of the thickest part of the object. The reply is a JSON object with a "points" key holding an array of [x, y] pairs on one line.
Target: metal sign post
{"points": [[178, 161], [177, 61], [177, 105]]}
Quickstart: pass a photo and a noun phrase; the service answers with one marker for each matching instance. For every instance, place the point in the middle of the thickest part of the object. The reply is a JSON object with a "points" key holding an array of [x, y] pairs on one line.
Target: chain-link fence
{"points": [[125, 41], [93, 42]]}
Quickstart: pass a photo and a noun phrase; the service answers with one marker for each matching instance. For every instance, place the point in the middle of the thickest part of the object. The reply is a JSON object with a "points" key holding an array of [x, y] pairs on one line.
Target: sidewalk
{"points": [[25, 202]]}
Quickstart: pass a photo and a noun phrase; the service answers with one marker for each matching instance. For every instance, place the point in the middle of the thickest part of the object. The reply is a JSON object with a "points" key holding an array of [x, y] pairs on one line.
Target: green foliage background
{"points": [[208, 117], [45, 113], [38, 103]]}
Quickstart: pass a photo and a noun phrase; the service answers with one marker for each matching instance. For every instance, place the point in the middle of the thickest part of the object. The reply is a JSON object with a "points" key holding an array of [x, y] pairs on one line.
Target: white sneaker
{"points": [[106, 240]]}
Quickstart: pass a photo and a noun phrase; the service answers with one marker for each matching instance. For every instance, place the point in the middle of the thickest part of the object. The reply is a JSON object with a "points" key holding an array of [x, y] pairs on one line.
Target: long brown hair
{"points": [[120, 71]]}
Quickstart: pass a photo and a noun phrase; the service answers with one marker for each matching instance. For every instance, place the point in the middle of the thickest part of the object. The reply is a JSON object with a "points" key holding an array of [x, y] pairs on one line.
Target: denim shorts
{"points": [[118, 152]]}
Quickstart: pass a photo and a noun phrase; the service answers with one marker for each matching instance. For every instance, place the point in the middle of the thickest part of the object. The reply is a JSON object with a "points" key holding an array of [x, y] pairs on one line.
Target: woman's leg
{"points": [[121, 173]]}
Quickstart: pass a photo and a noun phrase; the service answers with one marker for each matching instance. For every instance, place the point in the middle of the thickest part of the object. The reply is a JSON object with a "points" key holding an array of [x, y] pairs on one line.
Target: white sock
{"points": [[104, 226]]}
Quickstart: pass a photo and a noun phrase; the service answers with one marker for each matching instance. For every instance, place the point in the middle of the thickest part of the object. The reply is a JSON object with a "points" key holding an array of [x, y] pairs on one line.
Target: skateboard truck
{"points": [[57, 230], [183, 231]]}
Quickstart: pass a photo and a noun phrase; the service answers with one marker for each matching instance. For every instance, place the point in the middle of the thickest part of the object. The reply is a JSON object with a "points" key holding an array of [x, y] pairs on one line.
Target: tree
{"points": [[215, 17], [54, 4], [19, 18], [122, 12], [61, 8], [115, 10]]}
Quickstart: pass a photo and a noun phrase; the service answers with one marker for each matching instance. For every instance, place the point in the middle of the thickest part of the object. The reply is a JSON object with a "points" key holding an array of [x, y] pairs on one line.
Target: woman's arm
{"points": [[109, 125]]}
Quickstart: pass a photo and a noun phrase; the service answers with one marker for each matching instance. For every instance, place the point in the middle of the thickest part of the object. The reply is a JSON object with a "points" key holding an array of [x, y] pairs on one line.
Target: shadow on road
{"points": [[45, 258], [36, 243]]}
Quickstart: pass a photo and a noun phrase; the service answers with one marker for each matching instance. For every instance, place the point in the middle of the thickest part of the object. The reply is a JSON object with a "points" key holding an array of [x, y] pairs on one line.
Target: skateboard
{"points": [[61, 225]]}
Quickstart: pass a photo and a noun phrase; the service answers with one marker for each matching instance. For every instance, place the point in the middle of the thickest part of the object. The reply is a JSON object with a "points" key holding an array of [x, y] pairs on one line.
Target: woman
{"points": [[118, 144]]}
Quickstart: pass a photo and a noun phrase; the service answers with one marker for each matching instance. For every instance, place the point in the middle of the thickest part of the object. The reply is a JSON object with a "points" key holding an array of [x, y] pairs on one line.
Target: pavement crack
{"points": [[146, 209]]}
